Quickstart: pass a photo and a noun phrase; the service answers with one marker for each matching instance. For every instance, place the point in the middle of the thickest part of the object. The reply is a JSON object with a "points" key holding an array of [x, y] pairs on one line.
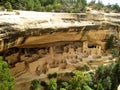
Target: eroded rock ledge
{"points": [[35, 44]]}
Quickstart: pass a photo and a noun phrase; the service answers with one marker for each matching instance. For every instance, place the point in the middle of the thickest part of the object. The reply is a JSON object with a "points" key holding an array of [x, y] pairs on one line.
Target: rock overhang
{"points": [[30, 23]]}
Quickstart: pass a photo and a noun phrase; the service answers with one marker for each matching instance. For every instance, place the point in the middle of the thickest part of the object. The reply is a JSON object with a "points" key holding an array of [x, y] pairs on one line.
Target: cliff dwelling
{"points": [[54, 42]]}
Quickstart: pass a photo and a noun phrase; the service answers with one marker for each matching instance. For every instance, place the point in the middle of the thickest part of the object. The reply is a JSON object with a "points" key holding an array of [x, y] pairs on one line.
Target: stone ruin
{"points": [[36, 43]]}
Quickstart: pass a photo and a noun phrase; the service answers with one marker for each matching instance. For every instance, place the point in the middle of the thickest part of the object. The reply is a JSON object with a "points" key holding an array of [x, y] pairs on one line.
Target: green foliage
{"points": [[83, 68], [65, 85], [115, 52], [107, 83], [116, 7], [35, 85], [54, 75], [92, 3], [99, 72], [57, 7], [30, 5], [62, 89], [107, 8], [108, 76], [110, 42], [72, 6], [2, 8], [52, 84], [7, 81], [79, 82], [20, 6], [49, 8], [99, 86], [37, 6], [86, 87], [100, 5], [104, 78], [81, 5], [46, 5], [102, 75], [75, 10], [116, 75], [8, 6], [62, 84]]}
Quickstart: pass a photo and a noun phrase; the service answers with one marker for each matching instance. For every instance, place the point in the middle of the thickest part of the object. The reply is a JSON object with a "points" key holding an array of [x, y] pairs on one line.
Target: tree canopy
{"points": [[71, 6], [46, 5]]}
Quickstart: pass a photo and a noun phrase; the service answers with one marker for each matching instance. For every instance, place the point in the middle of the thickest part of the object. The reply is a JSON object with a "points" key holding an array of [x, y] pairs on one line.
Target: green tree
{"points": [[57, 7], [37, 6], [100, 87], [79, 82], [115, 52], [110, 42], [62, 89], [92, 2], [107, 83], [49, 8], [99, 72], [81, 4], [52, 84], [7, 81], [84, 3], [35, 85], [30, 5], [103, 76], [115, 75], [8, 6], [100, 5], [107, 76], [22, 4], [116, 7], [62, 85], [43, 2]]}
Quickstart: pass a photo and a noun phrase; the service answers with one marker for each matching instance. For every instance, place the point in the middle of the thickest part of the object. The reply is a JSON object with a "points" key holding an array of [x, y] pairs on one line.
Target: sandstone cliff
{"points": [[18, 25], [35, 43]]}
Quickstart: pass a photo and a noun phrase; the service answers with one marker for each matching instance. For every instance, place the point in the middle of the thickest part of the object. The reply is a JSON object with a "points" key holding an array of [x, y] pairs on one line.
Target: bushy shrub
{"points": [[8, 6], [83, 68], [54, 75], [115, 52], [2, 8], [110, 42], [52, 84], [7, 81], [49, 8], [35, 85]]}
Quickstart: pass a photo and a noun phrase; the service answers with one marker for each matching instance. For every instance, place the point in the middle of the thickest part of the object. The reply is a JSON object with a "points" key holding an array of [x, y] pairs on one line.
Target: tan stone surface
{"points": [[54, 42]]}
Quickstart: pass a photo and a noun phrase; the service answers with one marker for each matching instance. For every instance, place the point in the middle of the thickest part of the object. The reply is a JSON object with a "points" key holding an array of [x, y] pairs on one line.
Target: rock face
{"points": [[36, 43]]}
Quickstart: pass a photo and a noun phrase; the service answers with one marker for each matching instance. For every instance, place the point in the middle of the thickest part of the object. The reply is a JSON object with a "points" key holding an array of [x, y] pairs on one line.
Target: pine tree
{"points": [[7, 81]]}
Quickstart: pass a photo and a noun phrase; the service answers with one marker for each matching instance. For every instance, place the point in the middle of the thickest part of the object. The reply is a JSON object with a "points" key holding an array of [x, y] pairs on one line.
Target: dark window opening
{"points": [[91, 46]]}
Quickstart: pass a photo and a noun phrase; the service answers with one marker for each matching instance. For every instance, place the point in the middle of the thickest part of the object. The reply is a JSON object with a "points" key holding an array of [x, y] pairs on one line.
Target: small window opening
{"points": [[91, 46]]}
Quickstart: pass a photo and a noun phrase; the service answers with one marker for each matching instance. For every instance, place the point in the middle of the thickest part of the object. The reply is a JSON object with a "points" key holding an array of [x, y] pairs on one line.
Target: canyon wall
{"points": [[35, 44]]}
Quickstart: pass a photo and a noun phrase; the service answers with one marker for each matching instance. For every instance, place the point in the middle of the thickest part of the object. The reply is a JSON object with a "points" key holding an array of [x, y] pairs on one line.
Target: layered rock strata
{"points": [[36, 43]]}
